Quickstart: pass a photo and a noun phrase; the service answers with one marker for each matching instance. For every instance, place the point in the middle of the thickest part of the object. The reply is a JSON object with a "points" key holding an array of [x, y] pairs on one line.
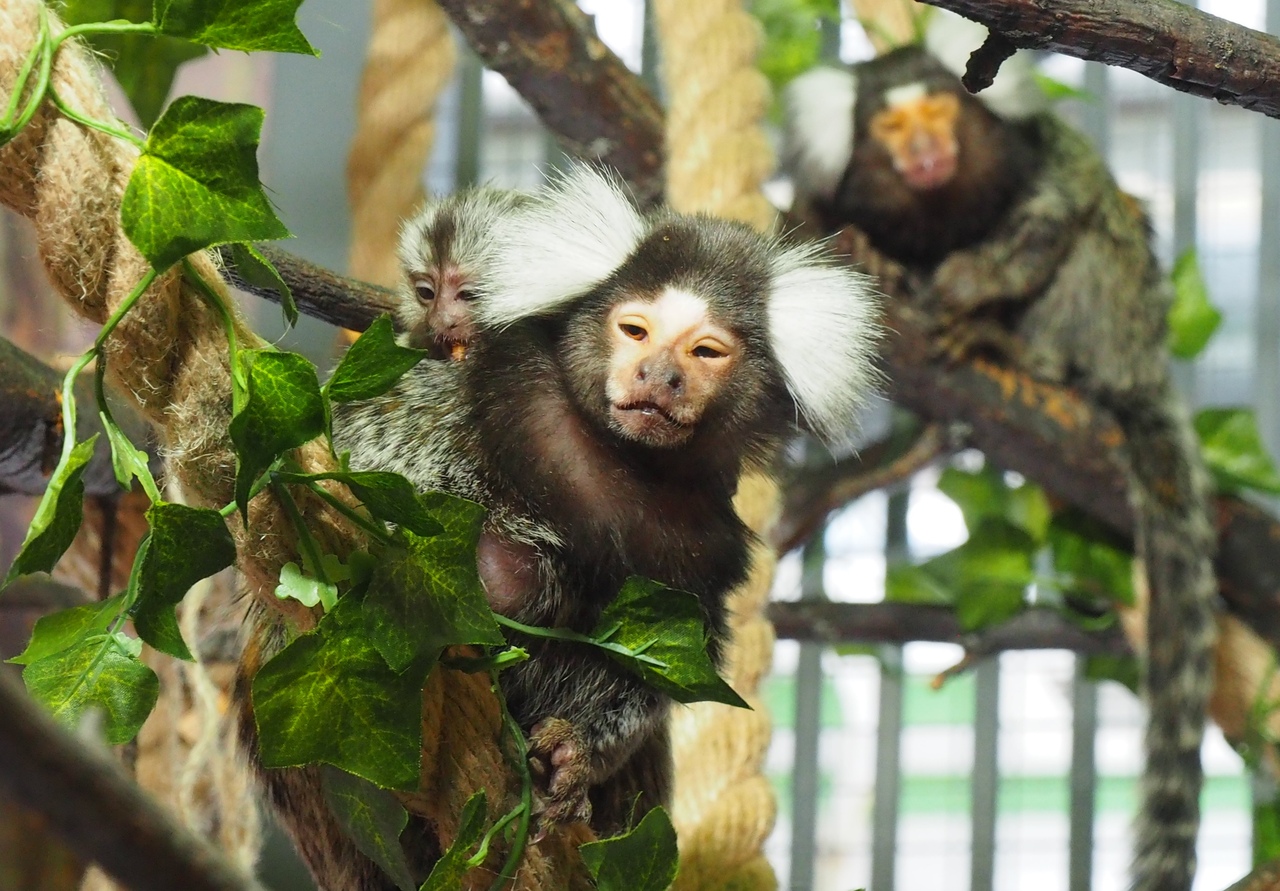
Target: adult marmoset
{"points": [[1014, 221], [626, 370]]}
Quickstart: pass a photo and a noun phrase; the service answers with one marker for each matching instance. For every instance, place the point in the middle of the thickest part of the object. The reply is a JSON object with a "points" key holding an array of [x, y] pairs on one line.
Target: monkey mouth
{"points": [[929, 171], [447, 348], [650, 423]]}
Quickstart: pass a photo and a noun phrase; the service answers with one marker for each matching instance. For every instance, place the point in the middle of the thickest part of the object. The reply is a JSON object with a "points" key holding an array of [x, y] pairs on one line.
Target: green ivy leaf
{"points": [[1089, 560], [196, 183], [909, 583], [103, 673], [127, 460], [644, 859], [185, 545], [143, 65], [1121, 669], [1056, 90], [447, 874], [388, 496], [249, 25], [986, 494], [372, 364], [58, 517], [793, 35], [1234, 452], [666, 625], [426, 595], [282, 410], [329, 697], [372, 818], [1192, 318], [296, 585], [988, 574], [258, 270], [59, 631]]}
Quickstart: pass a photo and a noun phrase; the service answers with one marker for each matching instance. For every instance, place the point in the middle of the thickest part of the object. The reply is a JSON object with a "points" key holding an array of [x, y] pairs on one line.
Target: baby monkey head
{"points": [[684, 332]]}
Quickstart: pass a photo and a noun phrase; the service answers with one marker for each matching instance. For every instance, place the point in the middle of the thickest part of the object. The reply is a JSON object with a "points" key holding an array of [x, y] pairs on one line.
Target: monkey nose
{"points": [[675, 381]]}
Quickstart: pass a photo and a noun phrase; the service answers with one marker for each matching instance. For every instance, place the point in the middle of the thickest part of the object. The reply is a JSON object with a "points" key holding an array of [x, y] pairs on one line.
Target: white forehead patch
{"points": [[905, 94], [680, 310]]}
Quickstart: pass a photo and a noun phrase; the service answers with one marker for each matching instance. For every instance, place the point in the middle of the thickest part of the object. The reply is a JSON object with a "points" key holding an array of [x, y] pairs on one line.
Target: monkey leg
{"points": [[561, 764]]}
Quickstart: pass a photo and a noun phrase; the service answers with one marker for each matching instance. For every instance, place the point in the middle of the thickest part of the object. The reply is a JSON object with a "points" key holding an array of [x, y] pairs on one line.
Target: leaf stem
{"points": [[369, 526], [20, 84], [115, 26], [101, 126], [310, 549], [48, 47], [525, 808], [575, 637]]}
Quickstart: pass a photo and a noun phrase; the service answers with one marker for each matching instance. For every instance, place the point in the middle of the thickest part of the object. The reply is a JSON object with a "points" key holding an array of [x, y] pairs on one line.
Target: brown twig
{"points": [[1170, 42], [585, 95], [98, 811], [811, 499]]}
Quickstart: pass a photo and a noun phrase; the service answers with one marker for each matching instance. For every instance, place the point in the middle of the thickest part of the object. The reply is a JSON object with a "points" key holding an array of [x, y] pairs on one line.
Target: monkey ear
{"points": [[819, 131], [569, 238], [823, 328]]}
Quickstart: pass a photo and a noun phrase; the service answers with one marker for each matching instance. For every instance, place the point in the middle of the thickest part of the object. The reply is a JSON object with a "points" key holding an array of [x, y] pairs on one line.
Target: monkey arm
{"points": [[1022, 255]]}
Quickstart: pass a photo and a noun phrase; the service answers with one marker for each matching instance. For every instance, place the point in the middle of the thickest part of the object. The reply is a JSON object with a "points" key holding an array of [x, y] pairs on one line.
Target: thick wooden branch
{"points": [[585, 95], [1170, 42], [900, 623], [97, 810], [1046, 433], [31, 426]]}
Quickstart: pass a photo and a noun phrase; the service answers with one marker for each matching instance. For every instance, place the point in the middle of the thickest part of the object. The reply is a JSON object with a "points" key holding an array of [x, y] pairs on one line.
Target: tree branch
{"points": [[585, 95], [97, 810], [900, 623], [1172, 43], [31, 426]]}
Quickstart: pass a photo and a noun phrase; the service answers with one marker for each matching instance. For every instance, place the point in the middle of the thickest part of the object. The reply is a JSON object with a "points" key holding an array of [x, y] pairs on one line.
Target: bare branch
{"points": [[98, 811], [899, 623], [585, 95], [1170, 42]]}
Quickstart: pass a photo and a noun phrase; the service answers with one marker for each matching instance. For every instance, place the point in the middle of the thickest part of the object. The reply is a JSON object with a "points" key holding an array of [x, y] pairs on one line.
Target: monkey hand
{"points": [[561, 765], [958, 337]]}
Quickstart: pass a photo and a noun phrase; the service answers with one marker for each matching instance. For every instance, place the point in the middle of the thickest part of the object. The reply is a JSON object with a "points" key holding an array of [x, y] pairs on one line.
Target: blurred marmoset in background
{"points": [[1007, 225]]}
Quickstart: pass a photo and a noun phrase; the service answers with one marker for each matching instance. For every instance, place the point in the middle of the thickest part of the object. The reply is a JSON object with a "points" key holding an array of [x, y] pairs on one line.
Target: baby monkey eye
{"points": [[426, 293], [635, 332], [703, 351], [467, 295]]}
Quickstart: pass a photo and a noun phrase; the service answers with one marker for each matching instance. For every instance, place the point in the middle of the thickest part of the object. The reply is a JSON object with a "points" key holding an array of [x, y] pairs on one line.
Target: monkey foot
{"points": [[561, 767], [957, 339]]}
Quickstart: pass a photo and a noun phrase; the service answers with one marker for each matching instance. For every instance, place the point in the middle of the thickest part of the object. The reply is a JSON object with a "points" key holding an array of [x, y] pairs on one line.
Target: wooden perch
{"points": [[1035, 629], [585, 95], [97, 810], [1170, 42]]}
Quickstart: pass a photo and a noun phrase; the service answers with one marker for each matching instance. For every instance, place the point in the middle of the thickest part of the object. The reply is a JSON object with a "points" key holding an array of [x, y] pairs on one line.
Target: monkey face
{"points": [[668, 361], [918, 131], [445, 296]]}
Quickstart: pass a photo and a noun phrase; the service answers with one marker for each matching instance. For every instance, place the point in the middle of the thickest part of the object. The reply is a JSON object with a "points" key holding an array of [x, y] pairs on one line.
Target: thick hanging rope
{"points": [[409, 62], [170, 355], [717, 160]]}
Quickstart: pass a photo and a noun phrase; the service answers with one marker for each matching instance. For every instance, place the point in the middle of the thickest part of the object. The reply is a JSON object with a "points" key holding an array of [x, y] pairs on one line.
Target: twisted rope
{"points": [[717, 160], [409, 62], [170, 355]]}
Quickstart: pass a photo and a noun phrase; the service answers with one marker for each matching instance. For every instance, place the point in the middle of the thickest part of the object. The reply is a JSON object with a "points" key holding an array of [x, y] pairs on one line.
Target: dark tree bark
{"points": [[88, 801], [585, 95], [1172, 43]]}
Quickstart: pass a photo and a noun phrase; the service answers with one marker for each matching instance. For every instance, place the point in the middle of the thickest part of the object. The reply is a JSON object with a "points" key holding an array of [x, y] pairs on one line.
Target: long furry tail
{"points": [[1176, 540]]}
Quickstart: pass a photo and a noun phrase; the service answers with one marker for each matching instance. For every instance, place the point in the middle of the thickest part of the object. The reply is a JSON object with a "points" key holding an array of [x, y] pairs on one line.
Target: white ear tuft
{"points": [[824, 329], [819, 131], [1014, 94], [571, 236]]}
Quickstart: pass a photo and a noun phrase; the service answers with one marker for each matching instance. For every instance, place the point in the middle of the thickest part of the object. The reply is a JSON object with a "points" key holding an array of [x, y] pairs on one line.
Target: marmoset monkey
{"points": [[629, 369], [443, 250], [1019, 223]]}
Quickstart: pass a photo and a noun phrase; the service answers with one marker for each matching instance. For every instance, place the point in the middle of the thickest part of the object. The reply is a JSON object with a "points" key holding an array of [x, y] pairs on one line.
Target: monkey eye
{"points": [[426, 293], [706, 351], [635, 332], [467, 295]]}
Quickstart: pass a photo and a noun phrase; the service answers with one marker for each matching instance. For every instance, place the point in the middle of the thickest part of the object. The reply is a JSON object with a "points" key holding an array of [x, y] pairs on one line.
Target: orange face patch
{"points": [[920, 137]]}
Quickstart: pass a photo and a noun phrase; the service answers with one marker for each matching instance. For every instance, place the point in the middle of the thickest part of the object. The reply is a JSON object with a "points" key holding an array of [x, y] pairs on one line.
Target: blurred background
{"points": [[1017, 773]]}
